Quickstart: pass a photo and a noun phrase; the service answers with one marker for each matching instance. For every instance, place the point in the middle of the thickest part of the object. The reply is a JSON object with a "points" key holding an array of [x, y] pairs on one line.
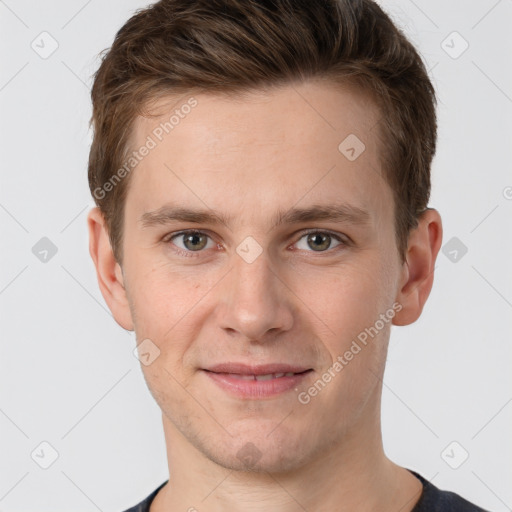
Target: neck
{"points": [[352, 475]]}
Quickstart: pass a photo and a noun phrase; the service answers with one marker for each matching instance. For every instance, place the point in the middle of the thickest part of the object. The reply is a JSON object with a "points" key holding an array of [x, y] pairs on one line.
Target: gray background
{"points": [[68, 376]]}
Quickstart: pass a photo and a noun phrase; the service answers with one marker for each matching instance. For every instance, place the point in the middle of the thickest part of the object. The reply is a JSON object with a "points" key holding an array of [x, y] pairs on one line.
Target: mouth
{"points": [[257, 382], [268, 376]]}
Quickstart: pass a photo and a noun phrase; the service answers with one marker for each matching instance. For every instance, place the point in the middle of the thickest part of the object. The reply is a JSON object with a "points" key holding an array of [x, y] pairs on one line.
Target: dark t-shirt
{"points": [[432, 499]]}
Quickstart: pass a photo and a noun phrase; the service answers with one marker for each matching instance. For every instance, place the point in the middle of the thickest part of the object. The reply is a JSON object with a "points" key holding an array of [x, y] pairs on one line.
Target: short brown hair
{"points": [[236, 46]]}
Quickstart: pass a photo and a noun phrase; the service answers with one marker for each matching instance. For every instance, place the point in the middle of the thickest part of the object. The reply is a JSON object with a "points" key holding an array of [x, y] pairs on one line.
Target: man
{"points": [[262, 172]]}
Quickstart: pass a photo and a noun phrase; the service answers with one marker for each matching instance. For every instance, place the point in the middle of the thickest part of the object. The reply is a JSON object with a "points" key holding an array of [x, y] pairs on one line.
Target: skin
{"points": [[248, 158]]}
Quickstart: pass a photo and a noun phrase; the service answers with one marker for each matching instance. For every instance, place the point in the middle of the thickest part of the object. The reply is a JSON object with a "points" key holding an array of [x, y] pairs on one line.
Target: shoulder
{"points": [[144, 505], [434, 499]]}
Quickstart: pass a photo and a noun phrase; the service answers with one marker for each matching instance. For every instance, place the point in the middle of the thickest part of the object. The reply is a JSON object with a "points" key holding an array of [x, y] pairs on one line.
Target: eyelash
{"points": [[191, 254]]}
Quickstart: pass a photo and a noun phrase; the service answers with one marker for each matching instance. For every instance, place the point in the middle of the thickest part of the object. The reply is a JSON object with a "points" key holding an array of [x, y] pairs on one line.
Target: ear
{"points": [[418, 269], [108, 270]]}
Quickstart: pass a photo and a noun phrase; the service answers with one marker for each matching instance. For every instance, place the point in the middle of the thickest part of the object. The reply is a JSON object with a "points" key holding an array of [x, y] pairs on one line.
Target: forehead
{"points": [[311, 143]]}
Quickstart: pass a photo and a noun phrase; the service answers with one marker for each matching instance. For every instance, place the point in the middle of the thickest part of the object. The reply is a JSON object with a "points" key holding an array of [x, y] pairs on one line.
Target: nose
{"points": [[255, 300]]}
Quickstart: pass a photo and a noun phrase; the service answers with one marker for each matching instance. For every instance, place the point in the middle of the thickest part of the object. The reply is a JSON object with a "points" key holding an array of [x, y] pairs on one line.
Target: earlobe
{"points": [[418, 270], [108, 271]]}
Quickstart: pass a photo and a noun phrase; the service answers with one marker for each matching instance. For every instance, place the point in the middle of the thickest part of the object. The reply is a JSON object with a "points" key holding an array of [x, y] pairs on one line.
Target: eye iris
{"points": [[194, 238], [319, 238]]}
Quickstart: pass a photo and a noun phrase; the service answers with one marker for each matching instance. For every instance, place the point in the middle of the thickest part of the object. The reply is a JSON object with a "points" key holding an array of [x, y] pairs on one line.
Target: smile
{"points": [[251, 386]]}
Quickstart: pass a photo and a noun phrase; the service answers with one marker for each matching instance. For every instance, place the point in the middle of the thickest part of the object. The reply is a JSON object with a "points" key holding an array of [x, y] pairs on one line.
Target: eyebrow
{"points": [[330, 212]]}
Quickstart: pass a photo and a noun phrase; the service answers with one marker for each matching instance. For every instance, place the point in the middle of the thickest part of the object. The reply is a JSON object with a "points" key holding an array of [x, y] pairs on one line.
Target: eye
{"points": [[192, 241], [319, 241], [188, 242]]}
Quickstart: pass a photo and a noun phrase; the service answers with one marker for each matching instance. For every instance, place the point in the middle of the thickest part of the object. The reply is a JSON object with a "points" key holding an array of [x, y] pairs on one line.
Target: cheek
{"points": [[349, 301], [357, 338], [161, 295], [348, 296], [158, 300]]}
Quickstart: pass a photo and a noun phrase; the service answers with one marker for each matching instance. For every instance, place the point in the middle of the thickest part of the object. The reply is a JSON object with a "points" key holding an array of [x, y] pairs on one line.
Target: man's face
{"points": [[257, 292]]}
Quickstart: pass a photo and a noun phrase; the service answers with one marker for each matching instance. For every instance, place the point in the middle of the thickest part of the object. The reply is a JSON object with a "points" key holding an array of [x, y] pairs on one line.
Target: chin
{"points": [[260, 450], [259, 461]]}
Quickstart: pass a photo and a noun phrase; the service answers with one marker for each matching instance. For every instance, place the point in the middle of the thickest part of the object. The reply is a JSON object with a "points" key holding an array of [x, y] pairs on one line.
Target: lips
{"points": [[267, 376], [257, 370], [257, 382]]}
